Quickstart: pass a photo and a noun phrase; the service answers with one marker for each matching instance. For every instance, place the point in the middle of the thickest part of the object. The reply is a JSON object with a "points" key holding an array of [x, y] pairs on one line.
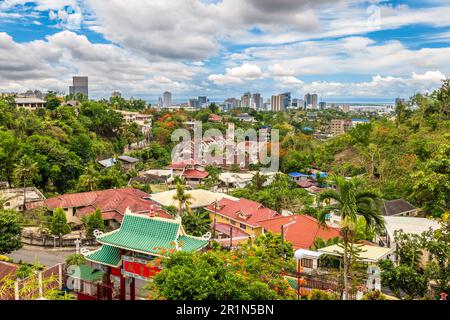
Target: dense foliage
{"points": [[10, 231]]}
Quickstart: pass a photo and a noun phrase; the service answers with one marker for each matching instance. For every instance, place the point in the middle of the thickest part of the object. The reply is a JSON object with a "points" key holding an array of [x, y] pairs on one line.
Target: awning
{"points": [[367, 253]]}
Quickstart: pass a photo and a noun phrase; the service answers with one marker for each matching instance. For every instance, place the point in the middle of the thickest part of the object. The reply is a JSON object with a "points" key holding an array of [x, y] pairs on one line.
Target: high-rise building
{"points": [[245, 100], [286, 100], [194, 103], [257, 101], [311, 100], [203, 101], [79, 85], [167, 99], [322, 105], [232, 103]]}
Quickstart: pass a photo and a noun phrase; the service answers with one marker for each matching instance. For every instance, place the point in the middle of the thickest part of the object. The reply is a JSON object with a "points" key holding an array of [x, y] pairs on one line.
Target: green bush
{"points": [[374, 295], [316, 294]]}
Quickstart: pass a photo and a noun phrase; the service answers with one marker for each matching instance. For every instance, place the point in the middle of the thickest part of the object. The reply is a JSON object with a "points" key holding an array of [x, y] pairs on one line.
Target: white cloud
{"points": [[237, 74], [49, 64]]}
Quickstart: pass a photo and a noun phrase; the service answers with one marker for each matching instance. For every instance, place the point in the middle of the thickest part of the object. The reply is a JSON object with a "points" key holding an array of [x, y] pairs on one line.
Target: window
{"points": [[7, 204], [242, 226], [307, 263], [233, 222]]}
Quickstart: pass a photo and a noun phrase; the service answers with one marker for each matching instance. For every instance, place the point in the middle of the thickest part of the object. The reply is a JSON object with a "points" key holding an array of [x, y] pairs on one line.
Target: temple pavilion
{"points": [[126, 253]]}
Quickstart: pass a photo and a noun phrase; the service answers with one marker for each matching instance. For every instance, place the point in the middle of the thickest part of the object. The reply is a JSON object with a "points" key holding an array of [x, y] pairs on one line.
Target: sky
{"points": [[350, 50]]}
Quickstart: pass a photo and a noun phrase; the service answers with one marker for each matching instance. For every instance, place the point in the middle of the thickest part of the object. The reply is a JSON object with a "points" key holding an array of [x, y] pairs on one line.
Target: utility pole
{"points": [[214, 223], [231, 237]]}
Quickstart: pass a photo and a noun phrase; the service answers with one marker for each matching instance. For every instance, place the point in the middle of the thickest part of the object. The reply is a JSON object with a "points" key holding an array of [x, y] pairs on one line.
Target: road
{"points": [[46, 257]]}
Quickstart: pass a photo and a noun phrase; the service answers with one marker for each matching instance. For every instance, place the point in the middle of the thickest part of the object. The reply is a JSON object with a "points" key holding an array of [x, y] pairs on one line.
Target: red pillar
{"points": [[108, 283], [133, 289], [123, 288]]}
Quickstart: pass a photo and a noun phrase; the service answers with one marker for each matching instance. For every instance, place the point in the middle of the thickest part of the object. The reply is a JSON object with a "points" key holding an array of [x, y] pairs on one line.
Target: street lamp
{"points": [[299, 254]]}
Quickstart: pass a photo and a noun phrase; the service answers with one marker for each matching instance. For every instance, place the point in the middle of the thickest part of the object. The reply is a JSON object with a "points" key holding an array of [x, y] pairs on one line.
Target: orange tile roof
{"points": [[244, 210], [302, 233], [113, 203], [195, 174]]}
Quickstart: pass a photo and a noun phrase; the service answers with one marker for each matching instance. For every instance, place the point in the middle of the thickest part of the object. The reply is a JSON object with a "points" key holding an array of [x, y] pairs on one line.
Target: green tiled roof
{"points": [[106, 255], [149, 235], [86, 273], [189, 243]]}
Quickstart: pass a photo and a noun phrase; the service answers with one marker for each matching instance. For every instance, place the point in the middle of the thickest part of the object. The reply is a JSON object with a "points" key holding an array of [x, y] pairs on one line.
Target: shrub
{"points": [[316, 294], [374, 295], [5, 259]]}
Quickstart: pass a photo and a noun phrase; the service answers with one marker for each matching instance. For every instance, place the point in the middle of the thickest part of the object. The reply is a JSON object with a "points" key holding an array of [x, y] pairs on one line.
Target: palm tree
{"points": [[89, 180], [350, 200], [258, 181], [25, 171], [183, 198]]}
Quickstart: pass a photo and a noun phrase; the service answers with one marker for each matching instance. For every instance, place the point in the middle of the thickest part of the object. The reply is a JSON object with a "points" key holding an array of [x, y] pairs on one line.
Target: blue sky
{"points": [[341, 49]]}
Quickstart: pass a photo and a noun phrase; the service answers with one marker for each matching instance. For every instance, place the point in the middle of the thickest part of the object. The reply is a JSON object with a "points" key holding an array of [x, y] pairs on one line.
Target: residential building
{"points": [[167, 100], [242, 214], [200, 198], [126, 162], [300, 230], [398, 207], [144, 121], [13, 198], [409, 225], [79, 85], [30, 103], [112, 203], [340, 126]]}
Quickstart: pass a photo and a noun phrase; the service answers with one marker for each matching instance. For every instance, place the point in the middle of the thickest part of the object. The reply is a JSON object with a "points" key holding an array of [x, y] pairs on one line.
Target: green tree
{"points": [[351, 200], [10, 231], [258, 181], [58, 224], [75, 260], [197, 223], [403, 279], [25, 171], [88, 181], [184, 200], [93, 222], [52, 101]]}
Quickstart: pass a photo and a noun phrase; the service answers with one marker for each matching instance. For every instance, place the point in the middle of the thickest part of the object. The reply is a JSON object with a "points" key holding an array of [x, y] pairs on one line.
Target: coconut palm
{"points": [[183, 198], [258, 181], [349, 201], [88, 180], [25, 171]]}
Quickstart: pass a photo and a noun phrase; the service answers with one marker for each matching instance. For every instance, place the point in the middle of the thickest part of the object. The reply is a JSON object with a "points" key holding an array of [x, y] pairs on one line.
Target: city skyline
{"points": [[368, 52]]}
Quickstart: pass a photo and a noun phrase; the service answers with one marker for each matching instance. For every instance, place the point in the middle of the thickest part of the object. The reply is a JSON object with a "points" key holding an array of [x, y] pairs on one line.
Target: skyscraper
{"points": [[245, 100], [167, 99], [202, 101], [257, 101], [311, 100], [79, 85]]}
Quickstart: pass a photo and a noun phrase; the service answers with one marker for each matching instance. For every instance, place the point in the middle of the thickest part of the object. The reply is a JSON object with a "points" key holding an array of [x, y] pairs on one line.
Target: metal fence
{"points": [[54, 242]]}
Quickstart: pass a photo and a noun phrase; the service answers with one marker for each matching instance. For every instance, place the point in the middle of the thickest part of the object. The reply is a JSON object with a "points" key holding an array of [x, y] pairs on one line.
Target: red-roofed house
{"points": [[215, 118], [243, 214], [303, 232], [112, 203]]}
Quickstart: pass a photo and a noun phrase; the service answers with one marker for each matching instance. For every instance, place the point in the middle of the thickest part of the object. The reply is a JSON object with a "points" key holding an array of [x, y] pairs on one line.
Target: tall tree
{"points": [[183, 198], [351, 200], [58, 224], [10, 231], [25, 171]]}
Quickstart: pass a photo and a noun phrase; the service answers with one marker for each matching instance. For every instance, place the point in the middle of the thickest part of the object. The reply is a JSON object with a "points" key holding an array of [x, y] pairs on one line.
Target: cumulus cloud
{"points": [[49, 64], [379, 86], [237, 74]]}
